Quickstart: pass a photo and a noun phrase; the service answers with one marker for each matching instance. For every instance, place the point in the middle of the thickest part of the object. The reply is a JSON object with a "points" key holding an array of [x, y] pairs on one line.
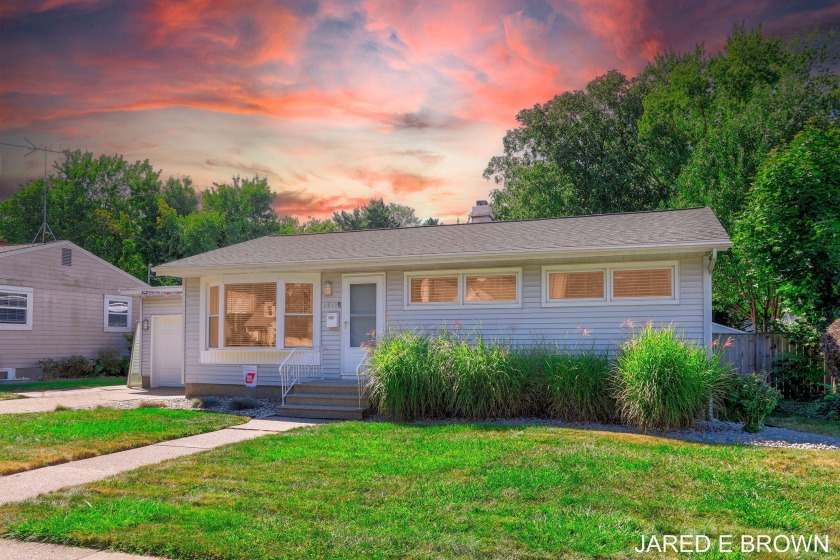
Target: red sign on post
{"points": [[250, 375]]}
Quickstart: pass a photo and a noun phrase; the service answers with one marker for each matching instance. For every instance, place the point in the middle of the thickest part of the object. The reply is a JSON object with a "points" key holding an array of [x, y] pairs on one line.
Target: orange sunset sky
{"points": [[336, 102]]}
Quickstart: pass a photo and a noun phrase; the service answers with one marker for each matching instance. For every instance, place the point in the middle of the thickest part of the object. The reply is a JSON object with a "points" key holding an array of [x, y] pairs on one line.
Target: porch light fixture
{"points": [[326, 289], [145, 324]]}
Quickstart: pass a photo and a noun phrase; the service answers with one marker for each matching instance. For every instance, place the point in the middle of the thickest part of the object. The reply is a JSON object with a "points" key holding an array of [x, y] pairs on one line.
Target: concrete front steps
{"points": [[325, 398]]}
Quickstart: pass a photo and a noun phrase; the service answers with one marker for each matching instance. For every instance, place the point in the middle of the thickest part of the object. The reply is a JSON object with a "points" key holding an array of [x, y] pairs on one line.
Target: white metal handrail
{"points": [[363, 366], [298, 364]]}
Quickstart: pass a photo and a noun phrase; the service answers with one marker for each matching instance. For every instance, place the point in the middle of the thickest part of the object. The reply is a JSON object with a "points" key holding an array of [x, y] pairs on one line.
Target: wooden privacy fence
{"points": [[755, 352]]}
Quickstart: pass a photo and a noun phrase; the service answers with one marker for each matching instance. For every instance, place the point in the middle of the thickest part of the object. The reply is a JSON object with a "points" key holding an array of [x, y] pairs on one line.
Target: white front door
{"points": [[167, 351], [363, 317]]}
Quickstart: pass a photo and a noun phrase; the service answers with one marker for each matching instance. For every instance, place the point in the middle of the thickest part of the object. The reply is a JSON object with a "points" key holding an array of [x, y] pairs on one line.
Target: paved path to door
{"points": [[18, 550], [29, 484], [46, 401]]}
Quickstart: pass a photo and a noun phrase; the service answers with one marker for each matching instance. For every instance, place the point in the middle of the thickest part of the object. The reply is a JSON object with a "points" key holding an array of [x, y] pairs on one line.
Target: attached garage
{"points": [[159, 353]]}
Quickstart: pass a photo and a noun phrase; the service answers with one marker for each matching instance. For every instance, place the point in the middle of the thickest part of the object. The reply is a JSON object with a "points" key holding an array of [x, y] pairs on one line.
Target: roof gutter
{"points": [[314, 265]]}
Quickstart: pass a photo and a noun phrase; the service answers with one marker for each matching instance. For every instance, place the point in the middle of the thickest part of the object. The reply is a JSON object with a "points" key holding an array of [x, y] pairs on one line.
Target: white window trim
{"points": [[128, 323], [462, 302], [280, 280], [30, 300], [609, 269]]}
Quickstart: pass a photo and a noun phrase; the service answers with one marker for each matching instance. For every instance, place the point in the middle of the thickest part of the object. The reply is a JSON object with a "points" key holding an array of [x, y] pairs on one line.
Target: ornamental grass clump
{"points": [[580, 386], [413, 375], [664, 382]]}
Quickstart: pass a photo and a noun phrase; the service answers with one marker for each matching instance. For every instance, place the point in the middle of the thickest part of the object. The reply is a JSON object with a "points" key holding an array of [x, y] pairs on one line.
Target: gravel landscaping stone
{"points": [[268, 407]]}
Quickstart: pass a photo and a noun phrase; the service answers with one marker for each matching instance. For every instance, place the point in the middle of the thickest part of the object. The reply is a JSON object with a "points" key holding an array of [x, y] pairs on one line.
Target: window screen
{"points": [[491, 287], [440, 289], [298, 315], [651, 282], [14, 307], [576, 285], [250, 315]]}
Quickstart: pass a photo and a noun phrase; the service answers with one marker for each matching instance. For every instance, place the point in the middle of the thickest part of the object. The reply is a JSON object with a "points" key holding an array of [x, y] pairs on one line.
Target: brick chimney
{"points": [[481, 212]]}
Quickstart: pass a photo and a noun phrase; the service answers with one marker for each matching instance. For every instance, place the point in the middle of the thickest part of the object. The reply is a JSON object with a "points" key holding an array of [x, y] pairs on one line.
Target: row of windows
{"points": [[16, 310], [562, 285], [245, 315]]}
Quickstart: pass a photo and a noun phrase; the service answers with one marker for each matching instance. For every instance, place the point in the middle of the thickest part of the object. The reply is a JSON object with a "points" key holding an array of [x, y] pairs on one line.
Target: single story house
{"points": [[315, 301], [158, 349], [58, 300]]}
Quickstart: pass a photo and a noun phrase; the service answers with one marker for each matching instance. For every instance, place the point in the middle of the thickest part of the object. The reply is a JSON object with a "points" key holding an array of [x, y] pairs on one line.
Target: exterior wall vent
{"points": [[66, 256]]}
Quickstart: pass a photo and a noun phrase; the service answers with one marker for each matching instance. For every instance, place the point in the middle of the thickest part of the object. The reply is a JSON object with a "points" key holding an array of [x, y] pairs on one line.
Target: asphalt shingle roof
{"points": [[10, 248], [605, 231]]}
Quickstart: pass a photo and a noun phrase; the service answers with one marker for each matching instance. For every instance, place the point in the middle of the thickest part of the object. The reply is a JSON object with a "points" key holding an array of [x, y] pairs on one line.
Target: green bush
{"points": [[665, 382], [205, 402], [71, 367], [109, 362], [750, 399], [580, 386], [419, 376], [829, 407], [243, 403], [798, 376]]}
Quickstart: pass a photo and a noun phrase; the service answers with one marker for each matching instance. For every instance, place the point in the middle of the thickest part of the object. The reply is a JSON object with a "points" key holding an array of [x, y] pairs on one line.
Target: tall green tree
{"points": [[578, 154], [180, 195], [792, 225], [245, 206], [376, 215]]}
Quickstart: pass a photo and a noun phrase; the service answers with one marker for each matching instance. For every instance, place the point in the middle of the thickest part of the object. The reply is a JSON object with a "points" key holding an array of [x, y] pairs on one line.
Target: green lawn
{"points": [[29, 441], [62, 384], [804, 423], [379, 490]]}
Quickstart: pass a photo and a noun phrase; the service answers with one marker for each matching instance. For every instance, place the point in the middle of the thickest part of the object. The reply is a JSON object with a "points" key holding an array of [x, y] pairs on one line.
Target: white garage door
{"points": [[167, 351]]}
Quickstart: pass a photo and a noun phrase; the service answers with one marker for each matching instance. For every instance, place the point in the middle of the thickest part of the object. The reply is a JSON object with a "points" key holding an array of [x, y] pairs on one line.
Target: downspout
{"points": [[712, 262]]}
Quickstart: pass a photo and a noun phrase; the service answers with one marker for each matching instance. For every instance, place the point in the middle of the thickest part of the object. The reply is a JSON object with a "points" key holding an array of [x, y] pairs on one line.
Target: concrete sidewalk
{"points": [[18, 550], [46, 401], [29, 484]]}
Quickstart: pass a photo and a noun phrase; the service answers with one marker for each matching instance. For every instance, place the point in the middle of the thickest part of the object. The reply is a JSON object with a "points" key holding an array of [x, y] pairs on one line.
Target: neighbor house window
{"points": [[15, 308], [298, 318], [436, 289], [643, 283], [213, 318], [491, 287], [250, 318], [576, 285], [117, 314]]}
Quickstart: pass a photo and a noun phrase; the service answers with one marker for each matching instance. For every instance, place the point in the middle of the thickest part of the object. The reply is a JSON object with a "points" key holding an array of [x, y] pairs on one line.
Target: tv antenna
{"points": [[45, 229]]}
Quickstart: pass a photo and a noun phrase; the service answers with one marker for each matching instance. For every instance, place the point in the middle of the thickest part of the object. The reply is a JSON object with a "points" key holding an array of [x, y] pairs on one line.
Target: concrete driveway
{"points": [[46, 401]]}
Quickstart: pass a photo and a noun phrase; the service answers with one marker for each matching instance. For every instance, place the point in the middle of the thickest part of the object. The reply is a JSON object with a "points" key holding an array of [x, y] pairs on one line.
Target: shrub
{"points": [[829, 407], [580, 386], [243, 403], [205, 402], [665, 382], [418, 376], [60, 407], [66, 368], [151, 404], [751, 399], [110, 362], [799, 376]]}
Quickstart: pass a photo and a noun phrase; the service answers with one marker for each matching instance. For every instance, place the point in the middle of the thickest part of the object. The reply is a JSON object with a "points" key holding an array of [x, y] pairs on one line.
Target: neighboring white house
{"points": [[577, 281], [58, 300]]}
